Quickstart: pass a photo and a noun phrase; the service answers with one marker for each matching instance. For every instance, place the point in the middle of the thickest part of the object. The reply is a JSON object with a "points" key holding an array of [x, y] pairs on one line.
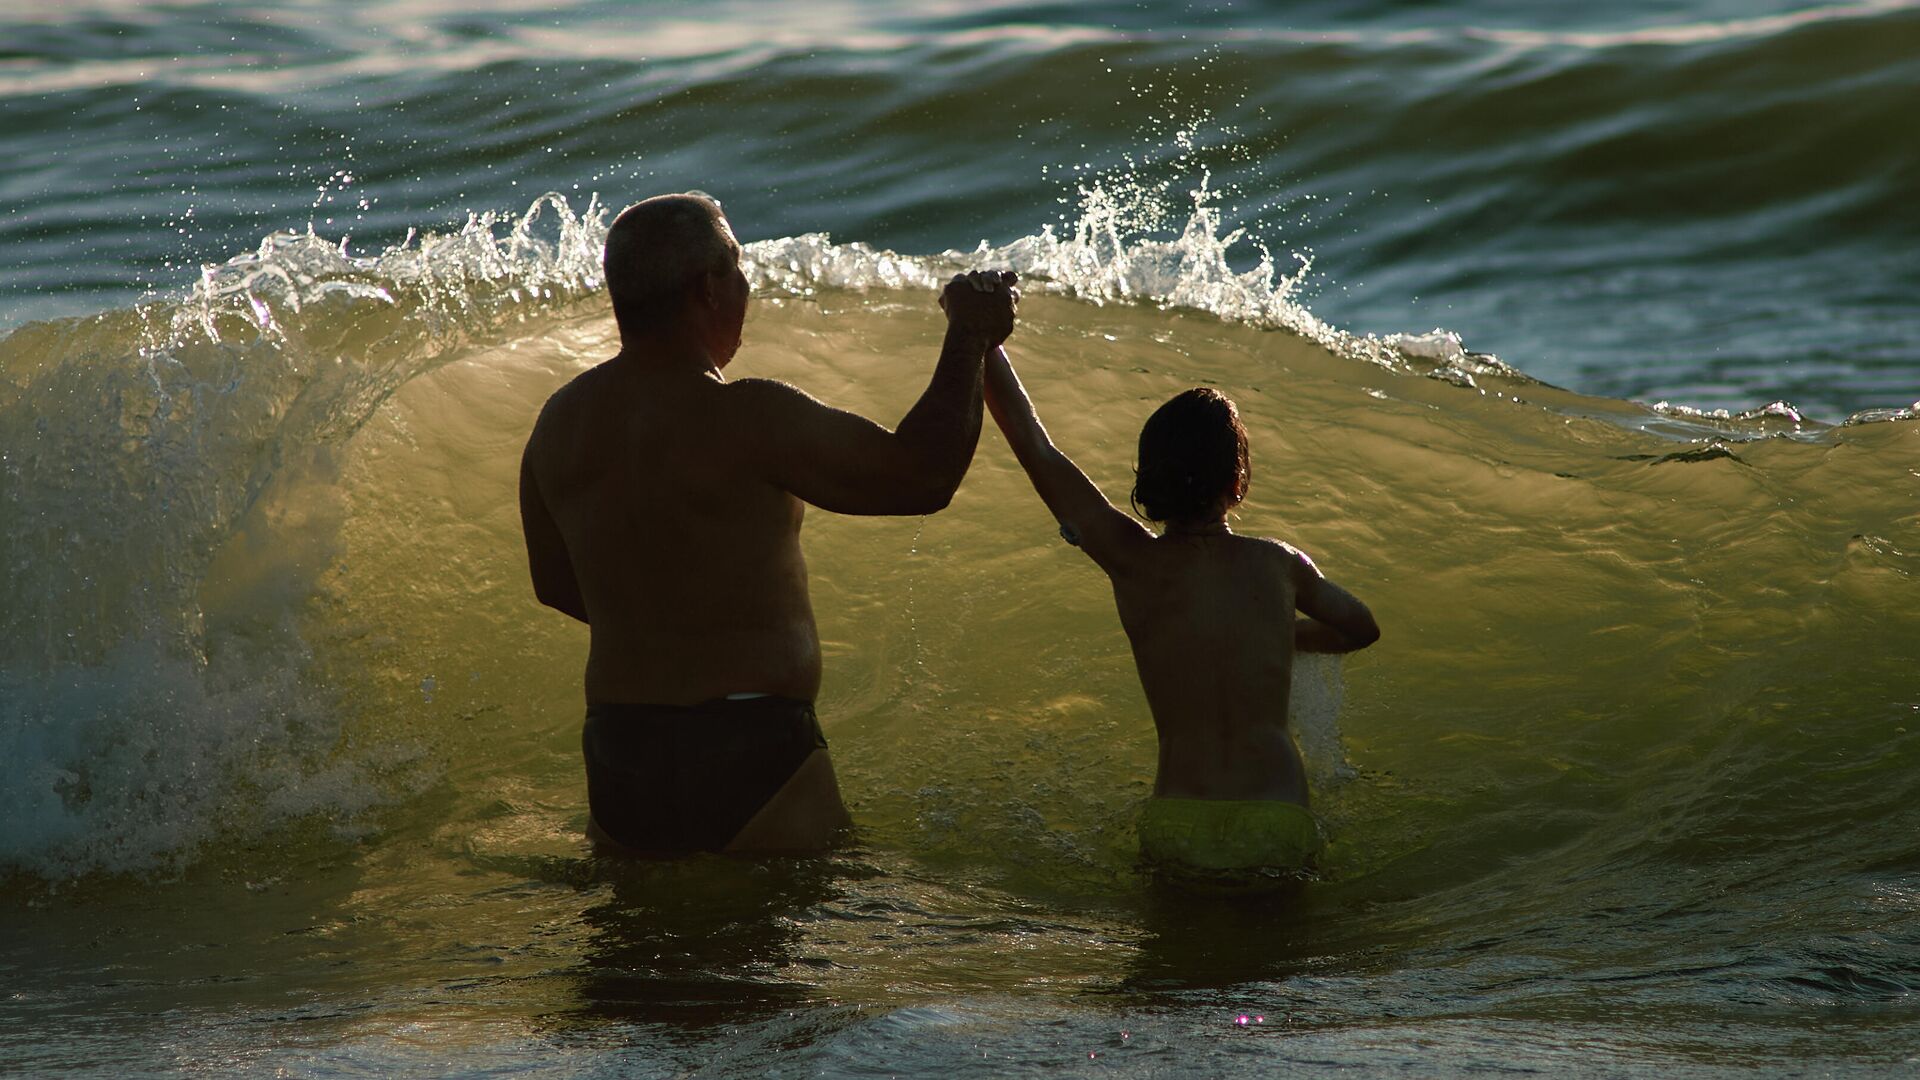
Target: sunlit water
{"points": [[289, 756]]}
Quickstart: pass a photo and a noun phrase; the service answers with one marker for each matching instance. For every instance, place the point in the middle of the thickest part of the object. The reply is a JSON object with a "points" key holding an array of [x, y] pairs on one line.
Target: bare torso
{"points": [[662, 505], [688, 561], [1211, 622]]}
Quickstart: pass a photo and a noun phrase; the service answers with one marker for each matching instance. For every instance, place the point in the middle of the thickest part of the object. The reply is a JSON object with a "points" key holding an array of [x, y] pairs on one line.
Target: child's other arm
{"points": [[1334, 621], [1085, 515]]}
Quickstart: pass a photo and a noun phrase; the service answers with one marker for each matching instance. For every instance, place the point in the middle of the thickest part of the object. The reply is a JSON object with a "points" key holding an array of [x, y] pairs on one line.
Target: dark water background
{"points": [[1706, 203]]}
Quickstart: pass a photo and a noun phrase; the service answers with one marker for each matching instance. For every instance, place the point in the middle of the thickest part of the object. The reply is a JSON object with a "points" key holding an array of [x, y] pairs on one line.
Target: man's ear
{"points": [[702, 293]]}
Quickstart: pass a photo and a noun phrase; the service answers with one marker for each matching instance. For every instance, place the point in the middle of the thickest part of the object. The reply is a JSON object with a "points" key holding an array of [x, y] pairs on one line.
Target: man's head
{"points": [[1193, 458], [670, 258]]}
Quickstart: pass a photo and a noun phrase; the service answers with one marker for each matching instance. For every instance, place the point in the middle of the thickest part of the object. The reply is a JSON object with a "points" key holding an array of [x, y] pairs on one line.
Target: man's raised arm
{"points": [[843, 462]]}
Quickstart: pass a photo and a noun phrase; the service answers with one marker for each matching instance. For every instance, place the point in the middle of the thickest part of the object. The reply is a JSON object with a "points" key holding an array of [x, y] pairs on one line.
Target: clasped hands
{"points": [[982, 302]]}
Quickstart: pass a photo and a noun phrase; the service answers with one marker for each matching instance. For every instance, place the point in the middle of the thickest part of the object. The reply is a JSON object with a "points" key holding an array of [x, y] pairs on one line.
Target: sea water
{"points": [[289, 756]]}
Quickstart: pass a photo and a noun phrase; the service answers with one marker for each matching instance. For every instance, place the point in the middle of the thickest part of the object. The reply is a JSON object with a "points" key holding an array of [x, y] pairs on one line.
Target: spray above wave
{"points": [[384, 316], [1108, 254], [1101, 259]]}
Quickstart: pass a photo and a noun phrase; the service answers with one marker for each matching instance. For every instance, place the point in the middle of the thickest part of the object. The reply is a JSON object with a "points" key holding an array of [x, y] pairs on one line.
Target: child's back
{"points": [[1211, 619]]}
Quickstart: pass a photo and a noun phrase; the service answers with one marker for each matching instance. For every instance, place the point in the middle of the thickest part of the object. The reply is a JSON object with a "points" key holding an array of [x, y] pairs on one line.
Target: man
{"points": [[662, 506]]}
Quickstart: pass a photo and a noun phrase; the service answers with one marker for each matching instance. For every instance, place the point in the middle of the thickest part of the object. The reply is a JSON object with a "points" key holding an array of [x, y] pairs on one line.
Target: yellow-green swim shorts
{"points": [[1229, 834]]}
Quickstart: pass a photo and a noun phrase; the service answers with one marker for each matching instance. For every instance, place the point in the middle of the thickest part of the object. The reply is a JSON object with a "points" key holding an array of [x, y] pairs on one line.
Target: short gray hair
{"points": [[657, 249]]}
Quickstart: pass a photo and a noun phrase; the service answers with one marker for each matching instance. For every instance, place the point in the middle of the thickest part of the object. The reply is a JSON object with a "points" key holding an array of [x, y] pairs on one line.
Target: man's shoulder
{"points": [[764, 393], [762, 404], [570, 397]]}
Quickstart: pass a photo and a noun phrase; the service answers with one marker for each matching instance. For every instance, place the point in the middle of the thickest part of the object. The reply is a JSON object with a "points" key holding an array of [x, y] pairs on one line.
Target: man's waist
{"points": [[744, 702]]}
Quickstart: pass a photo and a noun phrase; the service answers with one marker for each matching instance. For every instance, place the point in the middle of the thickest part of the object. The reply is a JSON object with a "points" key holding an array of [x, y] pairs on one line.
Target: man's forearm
{"points": [[943, 427]]}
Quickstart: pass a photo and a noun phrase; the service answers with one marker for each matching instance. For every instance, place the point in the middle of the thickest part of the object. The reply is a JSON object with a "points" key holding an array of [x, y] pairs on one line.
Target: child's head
{"points": [[1193, 458]]}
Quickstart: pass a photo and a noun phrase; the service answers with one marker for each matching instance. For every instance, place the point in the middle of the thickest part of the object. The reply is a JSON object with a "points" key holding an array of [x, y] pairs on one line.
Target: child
{"points": [[1210, 617]]}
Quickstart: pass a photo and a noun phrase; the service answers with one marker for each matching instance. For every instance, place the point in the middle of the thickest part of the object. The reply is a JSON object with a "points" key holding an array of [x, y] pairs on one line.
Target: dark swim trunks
{"points": [[681, 778]]}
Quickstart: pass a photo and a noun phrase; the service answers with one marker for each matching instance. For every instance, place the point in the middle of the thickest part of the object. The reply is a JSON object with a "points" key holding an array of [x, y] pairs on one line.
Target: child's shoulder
{"points": [[1275, 545], [1281, 552]]}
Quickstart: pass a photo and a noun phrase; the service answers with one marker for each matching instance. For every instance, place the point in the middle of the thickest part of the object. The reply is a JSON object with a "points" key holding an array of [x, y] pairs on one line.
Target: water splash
{"points": [[1108, 254], [1313, 709], [132, 763], [457, 282], [144, 708]]}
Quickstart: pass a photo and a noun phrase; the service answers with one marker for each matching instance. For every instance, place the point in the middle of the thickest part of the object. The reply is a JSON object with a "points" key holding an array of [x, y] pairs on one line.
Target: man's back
{"points": [[1210, 619], [687, 558]]}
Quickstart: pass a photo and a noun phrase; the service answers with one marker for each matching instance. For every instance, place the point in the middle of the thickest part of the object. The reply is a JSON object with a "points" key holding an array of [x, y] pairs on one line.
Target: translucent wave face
{"points": [[146, 661]]}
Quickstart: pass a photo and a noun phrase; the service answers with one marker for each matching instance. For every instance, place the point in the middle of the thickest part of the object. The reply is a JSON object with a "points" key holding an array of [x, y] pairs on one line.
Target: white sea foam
{"points": [[1122, 245], [131, 763], [1109, 253], [450, 283], [1319, 693]]}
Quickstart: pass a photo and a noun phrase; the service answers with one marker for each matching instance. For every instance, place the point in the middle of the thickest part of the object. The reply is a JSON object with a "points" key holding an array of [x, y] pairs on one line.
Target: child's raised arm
{"points": [[1086, 517]]}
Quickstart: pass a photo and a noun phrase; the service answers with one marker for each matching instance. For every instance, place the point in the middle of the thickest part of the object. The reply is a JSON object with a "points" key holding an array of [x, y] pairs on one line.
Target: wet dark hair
{"points": [[1193, 451]]}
